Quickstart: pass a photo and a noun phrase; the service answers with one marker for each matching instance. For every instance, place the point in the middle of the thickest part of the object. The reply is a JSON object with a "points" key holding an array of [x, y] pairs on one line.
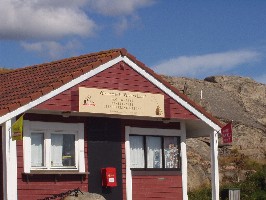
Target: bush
{"points": [[253, 188], [202, 194]]}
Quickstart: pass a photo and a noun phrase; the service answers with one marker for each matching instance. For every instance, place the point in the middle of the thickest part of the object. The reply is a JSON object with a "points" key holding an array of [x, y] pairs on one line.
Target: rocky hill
{"points": [[228, 98]]}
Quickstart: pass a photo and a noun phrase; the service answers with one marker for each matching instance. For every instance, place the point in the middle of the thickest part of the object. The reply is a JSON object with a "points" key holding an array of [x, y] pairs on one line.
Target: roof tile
{"points": [[35, 95], [76, 74], [47, 90], [57, 84], [3, 111], [66, 79], [14, 106]]}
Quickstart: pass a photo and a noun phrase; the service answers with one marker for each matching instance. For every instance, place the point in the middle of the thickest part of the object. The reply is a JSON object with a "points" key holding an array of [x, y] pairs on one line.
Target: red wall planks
{"points": [[1, 166], [157, 187], [118, 77], [41, 186]]}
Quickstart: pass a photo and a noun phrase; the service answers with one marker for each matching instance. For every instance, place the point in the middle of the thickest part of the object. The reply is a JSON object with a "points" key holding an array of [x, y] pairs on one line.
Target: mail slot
{"points": [[109, 177]]}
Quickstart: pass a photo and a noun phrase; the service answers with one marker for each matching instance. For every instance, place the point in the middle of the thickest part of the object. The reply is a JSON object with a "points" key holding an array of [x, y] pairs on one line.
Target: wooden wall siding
{"points": [[41, 186], [118, 77], [157, 187], [1, 166]]}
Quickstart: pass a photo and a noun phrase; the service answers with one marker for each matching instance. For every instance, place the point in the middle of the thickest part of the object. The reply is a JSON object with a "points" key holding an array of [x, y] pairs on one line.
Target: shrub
{"points": [[253, 188]]}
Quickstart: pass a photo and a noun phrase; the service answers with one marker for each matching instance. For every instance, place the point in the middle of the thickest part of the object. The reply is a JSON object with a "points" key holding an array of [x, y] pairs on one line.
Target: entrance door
{"points": [[104, 150]]}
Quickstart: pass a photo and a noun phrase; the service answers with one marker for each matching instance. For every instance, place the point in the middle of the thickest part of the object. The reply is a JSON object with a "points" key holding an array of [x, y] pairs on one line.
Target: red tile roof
{"points": [[21, 86]]}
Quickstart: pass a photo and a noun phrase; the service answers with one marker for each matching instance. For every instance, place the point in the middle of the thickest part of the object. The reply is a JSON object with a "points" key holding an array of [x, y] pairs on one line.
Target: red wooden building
{"points": [[96, 111]]}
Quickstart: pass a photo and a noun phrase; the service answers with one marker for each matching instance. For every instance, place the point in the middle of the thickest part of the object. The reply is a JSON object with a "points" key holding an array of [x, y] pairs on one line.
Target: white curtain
{"points": [[154, 152], [37, 149], [171, 152], [136, 152], [56, 150]]}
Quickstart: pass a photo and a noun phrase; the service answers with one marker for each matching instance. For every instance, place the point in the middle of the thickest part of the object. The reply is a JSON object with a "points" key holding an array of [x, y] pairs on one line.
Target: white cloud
{"points": [[124, 11], [121, 26], [55, 19], [209, 64], [51, 49], [118, 7], [38, 19], [44, 22], [125, 23]]}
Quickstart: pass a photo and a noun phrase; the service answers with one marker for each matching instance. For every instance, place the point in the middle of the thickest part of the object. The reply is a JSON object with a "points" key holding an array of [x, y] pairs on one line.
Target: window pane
{"points": [[62, 150], [154, 152], [136, 152], [171, 152], [37, 141]]}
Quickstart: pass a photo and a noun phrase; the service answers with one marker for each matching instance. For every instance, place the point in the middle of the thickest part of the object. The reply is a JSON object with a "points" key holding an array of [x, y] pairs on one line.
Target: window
{"points": [[63, 150], [37, 141], [154, 152], [53, 146]]}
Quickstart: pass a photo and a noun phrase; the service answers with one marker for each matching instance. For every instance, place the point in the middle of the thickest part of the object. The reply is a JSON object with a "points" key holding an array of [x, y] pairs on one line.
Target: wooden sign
{"points": [[104, 101], [227, 133], [17, 129]]}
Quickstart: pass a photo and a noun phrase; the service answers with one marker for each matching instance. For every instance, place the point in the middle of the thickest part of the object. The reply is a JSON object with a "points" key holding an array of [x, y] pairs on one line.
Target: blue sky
{"points": [[179, 38]]}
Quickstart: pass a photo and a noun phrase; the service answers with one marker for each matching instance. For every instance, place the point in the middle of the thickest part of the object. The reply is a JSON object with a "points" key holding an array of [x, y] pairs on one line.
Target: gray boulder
{"points": [[86, 196]]}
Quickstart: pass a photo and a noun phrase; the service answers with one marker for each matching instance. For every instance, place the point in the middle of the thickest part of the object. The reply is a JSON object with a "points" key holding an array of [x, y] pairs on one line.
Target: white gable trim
{"points": [[98, 70], [172, 94], [59, 90]]}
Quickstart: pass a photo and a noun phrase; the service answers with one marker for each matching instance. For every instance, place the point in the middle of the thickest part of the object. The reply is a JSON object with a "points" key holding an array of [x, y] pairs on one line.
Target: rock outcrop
{"points": [[85, 196], [228, 98]]}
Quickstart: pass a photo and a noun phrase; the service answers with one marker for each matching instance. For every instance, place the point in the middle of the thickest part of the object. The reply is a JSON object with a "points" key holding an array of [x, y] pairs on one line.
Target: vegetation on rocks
{"points": [[252, 188]]}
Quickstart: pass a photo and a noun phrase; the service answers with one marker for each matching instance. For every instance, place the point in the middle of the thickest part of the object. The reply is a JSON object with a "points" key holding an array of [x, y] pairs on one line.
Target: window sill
{"points": [[55, 173], [151, 172]]}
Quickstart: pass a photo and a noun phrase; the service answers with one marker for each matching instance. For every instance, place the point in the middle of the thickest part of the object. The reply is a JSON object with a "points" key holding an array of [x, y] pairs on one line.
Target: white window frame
{"points": [[162, 155], [161, 132], [49, 128]]}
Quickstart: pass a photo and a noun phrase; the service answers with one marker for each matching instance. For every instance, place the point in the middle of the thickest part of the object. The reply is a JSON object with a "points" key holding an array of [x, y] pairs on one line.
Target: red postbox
{"points": [[109, 177]]}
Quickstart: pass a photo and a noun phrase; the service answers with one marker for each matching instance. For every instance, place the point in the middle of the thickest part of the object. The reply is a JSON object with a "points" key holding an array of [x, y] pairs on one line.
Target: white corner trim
{"points": [[81, 154], [128, 171], [171, 94], [59, 90], [9, 149], [214, 165], [184, 160]]}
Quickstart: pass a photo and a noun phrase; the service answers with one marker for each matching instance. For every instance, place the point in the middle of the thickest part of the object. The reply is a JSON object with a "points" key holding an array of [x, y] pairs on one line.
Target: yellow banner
{"points": [[17, 129]]}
